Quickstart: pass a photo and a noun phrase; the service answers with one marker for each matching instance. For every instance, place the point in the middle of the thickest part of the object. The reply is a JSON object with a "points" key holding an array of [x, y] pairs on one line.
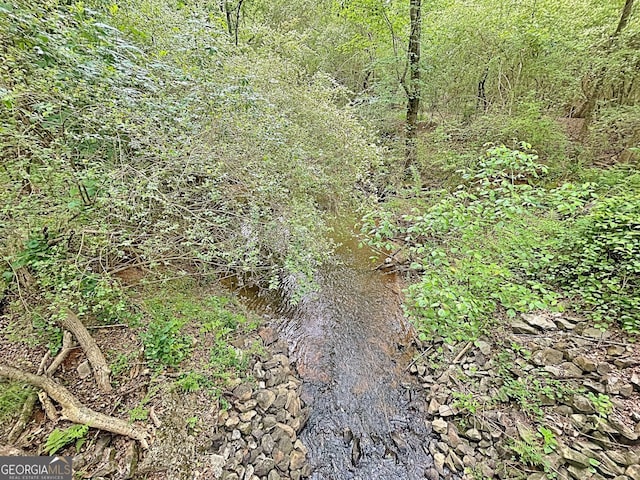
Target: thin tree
{"points": [[412, 85], [588, 107]]}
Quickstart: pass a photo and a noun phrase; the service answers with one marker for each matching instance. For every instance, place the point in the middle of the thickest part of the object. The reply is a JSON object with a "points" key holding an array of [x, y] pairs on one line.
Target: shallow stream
{"points": [[352, 347]]}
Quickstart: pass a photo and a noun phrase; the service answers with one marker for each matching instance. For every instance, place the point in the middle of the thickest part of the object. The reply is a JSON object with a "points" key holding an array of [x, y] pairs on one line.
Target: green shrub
{"points": [[164, 345], [471, 247], [598, 260]]}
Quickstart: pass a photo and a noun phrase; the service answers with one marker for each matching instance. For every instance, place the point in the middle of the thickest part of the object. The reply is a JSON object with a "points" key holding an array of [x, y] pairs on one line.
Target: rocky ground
{"points": [[550, 398], [246, 432]]}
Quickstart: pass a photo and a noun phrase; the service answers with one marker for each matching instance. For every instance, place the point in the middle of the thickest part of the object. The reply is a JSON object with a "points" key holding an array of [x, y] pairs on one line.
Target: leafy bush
{"points": [[470, 247], [12, 397], [136, 135], [598, 260], [504, 243], [164, 345]]}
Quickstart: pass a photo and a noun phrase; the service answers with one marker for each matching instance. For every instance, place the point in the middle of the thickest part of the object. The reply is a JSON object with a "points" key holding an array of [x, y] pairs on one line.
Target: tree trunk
{"points": [[589, 106], [483, 103], [412, 89]]}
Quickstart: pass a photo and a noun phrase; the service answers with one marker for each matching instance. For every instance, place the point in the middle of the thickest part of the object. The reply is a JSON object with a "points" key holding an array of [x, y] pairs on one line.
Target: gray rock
{"points": [[594, 385], [623, 429], [574, 457], [264, 466], [484, 347], [596, 333], [432, 474], [440, 426], [285, 445], [265, 399], [539, 321], [604, 368], [586, 364], [452, 436], [244, 428], [248, 416], [633, 471], [565, 324], [547, 356], [269, 421], [438, 462], [578, 473], [246, 406], [617, 457], [537, 476], [243, 392], [473, 434], [616, 350], [581, 404], [268, 444], [274, 475], [446, 411], [626, 362], [298, 459], [434, 406], [518, 326], [579, 420], [469, 461], [454, 462], [84, 369]]}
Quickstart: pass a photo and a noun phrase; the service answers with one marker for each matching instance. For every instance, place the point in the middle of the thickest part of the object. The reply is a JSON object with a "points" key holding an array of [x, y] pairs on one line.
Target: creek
{"points": [[352, 347]]}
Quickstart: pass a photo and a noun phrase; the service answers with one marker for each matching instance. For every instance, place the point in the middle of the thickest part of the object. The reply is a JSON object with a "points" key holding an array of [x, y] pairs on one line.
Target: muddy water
{"points": [[351, 345]]}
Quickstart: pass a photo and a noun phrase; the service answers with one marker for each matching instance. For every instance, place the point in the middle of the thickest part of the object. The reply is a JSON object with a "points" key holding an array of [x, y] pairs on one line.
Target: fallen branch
{"points": [[67, 346], [463, 352], [418, 358], [72, 409], [25, 415], [98, 363]]}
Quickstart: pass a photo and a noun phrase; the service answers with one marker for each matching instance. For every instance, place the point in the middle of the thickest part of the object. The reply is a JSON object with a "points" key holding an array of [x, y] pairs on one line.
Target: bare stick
{"points": [[43, 362], [72, 409], [67, 346], [462, 352], [98, 363], [418, 358]]}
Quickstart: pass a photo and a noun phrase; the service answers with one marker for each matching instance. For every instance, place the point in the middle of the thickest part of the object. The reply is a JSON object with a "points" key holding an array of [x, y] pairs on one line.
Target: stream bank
{"points": [[547, 397]]}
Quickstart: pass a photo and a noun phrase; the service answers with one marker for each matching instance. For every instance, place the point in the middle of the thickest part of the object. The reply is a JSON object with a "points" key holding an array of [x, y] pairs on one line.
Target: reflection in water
{"points": [[348, 340]]}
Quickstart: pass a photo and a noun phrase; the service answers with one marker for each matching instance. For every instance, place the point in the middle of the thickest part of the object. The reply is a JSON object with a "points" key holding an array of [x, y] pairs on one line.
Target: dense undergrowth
{"points": [[506, 240], [136, 135]]}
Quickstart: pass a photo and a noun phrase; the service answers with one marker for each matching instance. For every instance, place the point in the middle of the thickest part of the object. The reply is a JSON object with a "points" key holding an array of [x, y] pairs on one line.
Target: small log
{"points": [[98, 363], [72, 409]]}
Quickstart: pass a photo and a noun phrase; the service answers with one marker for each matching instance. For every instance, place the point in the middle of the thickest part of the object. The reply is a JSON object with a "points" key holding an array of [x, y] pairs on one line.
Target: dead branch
{"points": [[67, 346], [43, 362], [48, 407], [25, 415], [72, 409], [98, 363]]}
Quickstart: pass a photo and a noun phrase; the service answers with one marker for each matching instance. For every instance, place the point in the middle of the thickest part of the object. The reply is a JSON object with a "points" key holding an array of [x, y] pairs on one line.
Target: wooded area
{"points": [[489, 150]]}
